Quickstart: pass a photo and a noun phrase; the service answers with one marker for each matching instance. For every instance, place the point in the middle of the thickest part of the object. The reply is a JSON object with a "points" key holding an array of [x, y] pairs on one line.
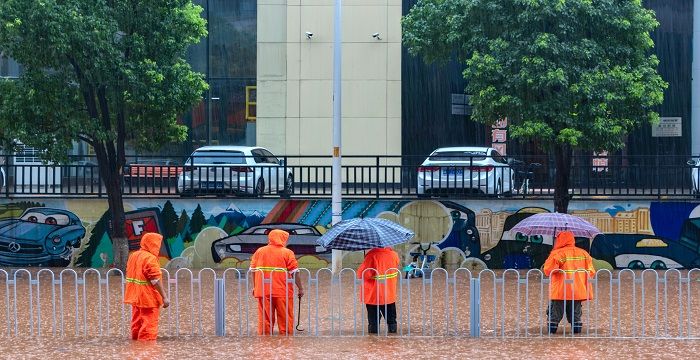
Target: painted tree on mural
{"points": [[90, 248], [169, 220], [198, 220], [182, 222], [110, 73], [574, 74]]}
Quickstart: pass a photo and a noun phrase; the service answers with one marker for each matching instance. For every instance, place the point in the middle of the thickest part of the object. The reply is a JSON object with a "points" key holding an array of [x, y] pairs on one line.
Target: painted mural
{"points": [[223, 233]]}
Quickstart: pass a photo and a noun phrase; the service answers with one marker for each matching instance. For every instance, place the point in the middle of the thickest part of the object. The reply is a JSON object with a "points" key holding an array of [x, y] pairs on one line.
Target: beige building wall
{"points": [[295, 77]]}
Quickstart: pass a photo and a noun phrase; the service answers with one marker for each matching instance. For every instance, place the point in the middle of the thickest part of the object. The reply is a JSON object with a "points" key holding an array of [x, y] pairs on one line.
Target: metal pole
{"points": [[695, 82], [336, 207], [219, 307], [475, 308]]}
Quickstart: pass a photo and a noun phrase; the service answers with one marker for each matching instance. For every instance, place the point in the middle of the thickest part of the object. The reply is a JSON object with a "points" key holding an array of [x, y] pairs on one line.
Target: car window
{"points": [[217, 157], [272, 159], [497, 157], [261, 231], [259, 156], [458, 156], [52, 219], [303, 232]]}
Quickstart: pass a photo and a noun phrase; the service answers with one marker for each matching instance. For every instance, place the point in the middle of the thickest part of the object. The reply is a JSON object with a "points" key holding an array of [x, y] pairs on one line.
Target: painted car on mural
{"points": [[40, 237], [639, 251], [518, 251], [302, 240]]}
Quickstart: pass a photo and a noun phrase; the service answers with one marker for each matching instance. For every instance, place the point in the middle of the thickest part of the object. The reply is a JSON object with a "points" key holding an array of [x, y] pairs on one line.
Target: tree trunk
{"points": [[109, 171], [562, 159]]}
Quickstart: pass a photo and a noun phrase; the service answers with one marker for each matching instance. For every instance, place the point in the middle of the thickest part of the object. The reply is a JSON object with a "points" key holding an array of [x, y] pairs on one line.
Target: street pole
{"points": [[336, 202], [695, 83]]}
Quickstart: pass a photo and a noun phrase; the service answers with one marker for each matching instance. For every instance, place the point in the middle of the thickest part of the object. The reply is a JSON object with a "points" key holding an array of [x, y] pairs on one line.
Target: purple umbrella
{"points": [[554, 223]]}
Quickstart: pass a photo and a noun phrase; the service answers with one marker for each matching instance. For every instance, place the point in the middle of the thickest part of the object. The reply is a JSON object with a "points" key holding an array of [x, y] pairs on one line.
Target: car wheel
{"points": [[636, 265], [288, 186], [259, 187], [658, 265]]}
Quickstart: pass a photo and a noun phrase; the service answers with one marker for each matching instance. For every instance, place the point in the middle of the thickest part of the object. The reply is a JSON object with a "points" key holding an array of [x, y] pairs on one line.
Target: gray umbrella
{"points": [[364, 233]]}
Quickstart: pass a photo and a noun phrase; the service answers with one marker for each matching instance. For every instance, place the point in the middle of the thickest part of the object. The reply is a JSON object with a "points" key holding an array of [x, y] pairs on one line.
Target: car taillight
{"points": [[481, 168], [428, 168], [241, 169]]}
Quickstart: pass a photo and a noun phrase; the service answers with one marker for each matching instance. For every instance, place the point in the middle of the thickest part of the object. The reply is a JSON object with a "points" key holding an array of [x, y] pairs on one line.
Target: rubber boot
{"points": [[577, 328], [553, 329], [393, 328], [372, 329]]}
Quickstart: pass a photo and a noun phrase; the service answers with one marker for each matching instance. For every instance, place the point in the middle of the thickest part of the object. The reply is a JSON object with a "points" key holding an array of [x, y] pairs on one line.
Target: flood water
{"points": [[87, 320], [370, 347]]}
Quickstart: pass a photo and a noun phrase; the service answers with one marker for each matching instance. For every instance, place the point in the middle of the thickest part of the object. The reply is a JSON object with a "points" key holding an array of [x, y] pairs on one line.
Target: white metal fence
{"points": [[507, 303]]}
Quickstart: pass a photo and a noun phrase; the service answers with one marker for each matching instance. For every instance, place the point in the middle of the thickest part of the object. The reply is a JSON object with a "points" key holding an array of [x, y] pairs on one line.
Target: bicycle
{"points": [[412, 270], [523, 175]]}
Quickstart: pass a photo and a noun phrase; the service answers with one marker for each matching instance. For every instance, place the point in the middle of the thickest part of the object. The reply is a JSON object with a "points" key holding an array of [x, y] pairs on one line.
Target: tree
{"points": [[182, 222], [105, 72], [573, 74], [170, 219]]}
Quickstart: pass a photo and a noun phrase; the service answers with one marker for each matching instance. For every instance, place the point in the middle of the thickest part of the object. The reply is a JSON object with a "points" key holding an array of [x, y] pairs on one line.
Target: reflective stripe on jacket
{"points": [[567, 262], [141, 268], [380, 274], [276, 263]]}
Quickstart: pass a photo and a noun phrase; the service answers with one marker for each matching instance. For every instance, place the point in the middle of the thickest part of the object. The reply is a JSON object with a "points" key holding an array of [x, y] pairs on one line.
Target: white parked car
{"points": [[452, 170], [2, 178], [694, 174], [234, 169]]}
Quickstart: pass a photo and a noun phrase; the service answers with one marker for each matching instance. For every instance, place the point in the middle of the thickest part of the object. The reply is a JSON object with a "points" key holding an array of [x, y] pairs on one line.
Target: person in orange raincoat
{"points": [[144, 290], [275, 299], [379, 272], [568, 262]]}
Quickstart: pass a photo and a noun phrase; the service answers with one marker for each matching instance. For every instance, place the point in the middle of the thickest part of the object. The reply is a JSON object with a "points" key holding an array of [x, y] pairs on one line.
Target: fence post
{"points": [[377, 181], [475, 308], [219, 307]]}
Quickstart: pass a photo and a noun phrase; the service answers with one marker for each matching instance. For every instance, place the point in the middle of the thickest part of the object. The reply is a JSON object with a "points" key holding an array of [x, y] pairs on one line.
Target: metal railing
{"points": [[363, 177], [459, 303]]}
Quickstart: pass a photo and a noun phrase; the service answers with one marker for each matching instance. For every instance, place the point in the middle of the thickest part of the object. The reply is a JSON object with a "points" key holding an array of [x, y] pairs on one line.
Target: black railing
{"points": [[363, 177]]}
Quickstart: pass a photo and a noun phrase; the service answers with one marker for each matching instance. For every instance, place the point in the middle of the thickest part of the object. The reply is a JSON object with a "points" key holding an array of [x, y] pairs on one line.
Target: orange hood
{"points": [[564, 239], [278, 238], [151, 242]]}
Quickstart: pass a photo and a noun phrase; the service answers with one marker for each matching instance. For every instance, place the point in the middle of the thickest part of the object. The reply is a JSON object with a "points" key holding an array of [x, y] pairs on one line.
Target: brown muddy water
{"points": [[94, 324]]}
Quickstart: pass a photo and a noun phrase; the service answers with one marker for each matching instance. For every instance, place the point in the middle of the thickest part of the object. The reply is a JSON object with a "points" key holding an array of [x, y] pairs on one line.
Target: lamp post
{"points": [[209, 104], [336, 196]]}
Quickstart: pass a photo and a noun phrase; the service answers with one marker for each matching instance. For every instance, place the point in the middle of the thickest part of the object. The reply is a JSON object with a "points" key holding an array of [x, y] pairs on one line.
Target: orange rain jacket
{"points": [[566, 261], [379, 272], [275, 262], [141, 268]]}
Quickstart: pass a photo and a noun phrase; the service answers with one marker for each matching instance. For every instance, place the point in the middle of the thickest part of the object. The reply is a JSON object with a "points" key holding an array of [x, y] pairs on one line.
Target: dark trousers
{"points": [[557, 309], [387, 311]]}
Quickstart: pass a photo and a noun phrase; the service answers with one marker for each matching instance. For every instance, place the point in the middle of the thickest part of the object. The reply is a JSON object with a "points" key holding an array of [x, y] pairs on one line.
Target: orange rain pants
{"points": [[279, 308], [144, 323]]}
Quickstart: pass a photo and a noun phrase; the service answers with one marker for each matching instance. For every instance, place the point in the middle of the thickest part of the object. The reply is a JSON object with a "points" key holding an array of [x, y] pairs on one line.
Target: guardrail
{"points": [[459, 303], [363, 177]]}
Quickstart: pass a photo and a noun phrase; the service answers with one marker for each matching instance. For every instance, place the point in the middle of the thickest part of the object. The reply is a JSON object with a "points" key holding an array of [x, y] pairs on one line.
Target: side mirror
{"points": [[692, 163], [282, 163]]}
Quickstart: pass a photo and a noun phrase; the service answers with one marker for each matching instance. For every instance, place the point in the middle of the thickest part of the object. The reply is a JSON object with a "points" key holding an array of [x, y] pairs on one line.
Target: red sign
{"points": [[139, 222]]}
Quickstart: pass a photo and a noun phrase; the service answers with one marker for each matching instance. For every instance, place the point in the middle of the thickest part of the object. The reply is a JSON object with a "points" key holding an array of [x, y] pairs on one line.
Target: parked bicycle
{"points": [[421, 264], [523, 175]]}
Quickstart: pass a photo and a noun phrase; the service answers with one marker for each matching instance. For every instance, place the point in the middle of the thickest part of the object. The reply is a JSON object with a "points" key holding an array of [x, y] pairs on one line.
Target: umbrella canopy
{"points": [[553, 223], [362, 234]]}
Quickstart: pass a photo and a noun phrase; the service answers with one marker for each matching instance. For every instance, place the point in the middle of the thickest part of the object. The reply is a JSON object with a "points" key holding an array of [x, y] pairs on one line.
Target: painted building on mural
{"points": [[223, 233]]}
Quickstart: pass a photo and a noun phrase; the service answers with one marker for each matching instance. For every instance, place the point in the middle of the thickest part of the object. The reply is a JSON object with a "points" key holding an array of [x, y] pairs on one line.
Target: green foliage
{"points": [[107, 72], [182, 222], [573, 72]]}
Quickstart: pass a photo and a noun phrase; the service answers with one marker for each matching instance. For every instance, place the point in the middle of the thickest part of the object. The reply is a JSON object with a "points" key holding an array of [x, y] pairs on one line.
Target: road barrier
{"points": [[459, 303]]}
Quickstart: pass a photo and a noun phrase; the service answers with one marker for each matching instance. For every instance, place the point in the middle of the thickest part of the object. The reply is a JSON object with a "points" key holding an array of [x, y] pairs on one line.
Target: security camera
{"points": [[309, 34], [376, 36]]}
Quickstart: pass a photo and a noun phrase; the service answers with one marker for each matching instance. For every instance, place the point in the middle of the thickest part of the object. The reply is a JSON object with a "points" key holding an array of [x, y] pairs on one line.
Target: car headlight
{"points": [[56, 240]]}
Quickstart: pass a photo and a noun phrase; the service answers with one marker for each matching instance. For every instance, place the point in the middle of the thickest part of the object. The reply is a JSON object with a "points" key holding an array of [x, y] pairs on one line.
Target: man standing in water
{"points": [[275, 263], [379, 272], [144, 290], [570, 268]]}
